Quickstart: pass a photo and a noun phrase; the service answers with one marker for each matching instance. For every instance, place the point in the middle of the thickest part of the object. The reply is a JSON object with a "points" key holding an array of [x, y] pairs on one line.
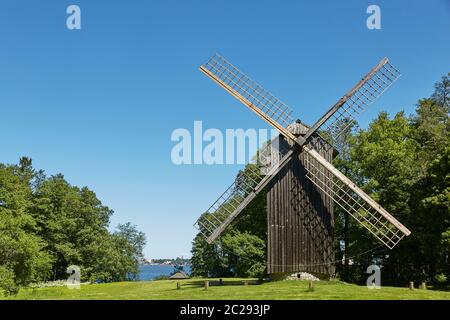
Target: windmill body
{"points": [[299, 217]]}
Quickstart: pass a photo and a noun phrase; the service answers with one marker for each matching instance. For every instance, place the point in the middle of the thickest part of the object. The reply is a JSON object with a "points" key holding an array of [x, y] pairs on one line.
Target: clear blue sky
{"points": [[100, 104]]}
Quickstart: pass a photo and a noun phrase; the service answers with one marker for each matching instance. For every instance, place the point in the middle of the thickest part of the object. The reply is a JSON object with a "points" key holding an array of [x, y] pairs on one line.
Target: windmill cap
{"points": [[298, 128]]}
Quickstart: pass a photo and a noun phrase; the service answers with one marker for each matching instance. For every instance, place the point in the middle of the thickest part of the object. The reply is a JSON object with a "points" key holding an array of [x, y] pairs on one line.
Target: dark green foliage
{"points": [[177, 268], [247, 253], [47, 225], [209, 260]]}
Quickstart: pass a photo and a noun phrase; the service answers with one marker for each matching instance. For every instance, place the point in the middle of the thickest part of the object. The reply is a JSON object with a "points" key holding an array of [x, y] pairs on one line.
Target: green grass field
{"points": [[192, 289]]}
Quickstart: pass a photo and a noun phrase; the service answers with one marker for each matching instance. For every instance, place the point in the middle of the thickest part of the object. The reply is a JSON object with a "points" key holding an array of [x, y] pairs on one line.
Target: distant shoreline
{"points": [[165, 264]]}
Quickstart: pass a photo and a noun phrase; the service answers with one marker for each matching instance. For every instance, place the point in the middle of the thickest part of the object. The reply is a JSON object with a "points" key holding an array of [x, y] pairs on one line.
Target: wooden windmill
{"points": [[300, 181]]}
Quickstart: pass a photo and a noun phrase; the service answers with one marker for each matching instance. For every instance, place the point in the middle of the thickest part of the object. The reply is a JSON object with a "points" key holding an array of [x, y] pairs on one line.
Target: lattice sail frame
{"points": [[354, 200], [238, 194], [382, 77], [248, 91]]}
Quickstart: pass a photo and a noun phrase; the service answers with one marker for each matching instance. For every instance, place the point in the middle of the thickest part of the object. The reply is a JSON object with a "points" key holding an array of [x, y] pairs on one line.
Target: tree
{"points": [[46, 224], [441, 93], [112, 258], [22, 255], [68, 219], [209, 260], [131, 242], [430, 128], [247, 252], [177, 268]]}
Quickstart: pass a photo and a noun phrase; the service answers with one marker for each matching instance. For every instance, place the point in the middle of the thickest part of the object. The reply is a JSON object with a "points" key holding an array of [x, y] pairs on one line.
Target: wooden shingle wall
{"points": [[300, 221]]}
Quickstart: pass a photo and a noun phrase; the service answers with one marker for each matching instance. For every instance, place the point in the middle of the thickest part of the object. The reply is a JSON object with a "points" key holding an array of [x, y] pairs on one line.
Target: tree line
{"points": [[403, 162], [46, 225]]}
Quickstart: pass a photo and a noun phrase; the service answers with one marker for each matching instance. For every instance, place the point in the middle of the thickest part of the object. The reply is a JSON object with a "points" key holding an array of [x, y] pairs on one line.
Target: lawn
{"points": [[192, 289]]}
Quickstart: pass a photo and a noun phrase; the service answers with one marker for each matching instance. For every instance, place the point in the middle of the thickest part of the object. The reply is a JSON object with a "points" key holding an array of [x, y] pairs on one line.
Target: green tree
{"points": [[209, 260], [113, 258], [68, 219], [441, 93], [247, 253], [22, 255], [131, 242], [46, 224]]}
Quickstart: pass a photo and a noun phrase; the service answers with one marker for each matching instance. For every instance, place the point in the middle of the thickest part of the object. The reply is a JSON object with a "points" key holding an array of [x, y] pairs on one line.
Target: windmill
{"points": [[297, 173]]}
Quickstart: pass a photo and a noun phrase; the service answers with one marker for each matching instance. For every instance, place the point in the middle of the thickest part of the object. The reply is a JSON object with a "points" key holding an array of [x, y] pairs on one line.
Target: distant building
{"points": [[179, 276], [145, 261]]}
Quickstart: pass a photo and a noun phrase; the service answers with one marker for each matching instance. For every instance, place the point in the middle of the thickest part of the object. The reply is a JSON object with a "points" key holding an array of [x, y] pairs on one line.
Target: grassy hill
{"points": [[192, 289]]}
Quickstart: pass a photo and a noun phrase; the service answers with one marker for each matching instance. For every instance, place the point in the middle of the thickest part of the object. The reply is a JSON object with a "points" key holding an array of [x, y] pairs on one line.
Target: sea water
{"points": [[150, 272]]}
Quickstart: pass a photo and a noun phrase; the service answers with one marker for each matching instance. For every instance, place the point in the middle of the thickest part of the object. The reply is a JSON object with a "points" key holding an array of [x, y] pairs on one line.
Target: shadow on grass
{"points": [[214, 283], [439, 288]]}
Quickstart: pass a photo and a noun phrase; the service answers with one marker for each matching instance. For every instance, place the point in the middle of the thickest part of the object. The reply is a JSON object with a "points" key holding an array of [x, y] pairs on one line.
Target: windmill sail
{"points": [[249, 92], [248, 184], [353, 200], [356, 101], [322, 173]]}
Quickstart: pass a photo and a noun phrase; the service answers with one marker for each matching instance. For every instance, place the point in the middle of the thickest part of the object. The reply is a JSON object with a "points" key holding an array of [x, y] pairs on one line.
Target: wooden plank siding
{"points": [[300, 220]]}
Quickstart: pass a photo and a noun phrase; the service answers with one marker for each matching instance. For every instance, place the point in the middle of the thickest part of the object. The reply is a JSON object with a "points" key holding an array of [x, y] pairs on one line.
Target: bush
{"points": [[162, 277], [441, 278], [7, 283]]}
